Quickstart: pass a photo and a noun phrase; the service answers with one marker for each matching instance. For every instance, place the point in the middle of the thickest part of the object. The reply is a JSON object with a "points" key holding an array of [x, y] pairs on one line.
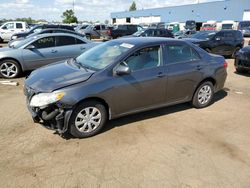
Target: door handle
{"points": [[160, 75], [53, 51], [82, 48]]}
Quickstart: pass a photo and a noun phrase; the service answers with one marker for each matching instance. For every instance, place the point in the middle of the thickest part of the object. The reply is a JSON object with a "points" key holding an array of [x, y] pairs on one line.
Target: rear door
{"points": [[184, 71], [20, 27], [44, 53], [69, 47]]}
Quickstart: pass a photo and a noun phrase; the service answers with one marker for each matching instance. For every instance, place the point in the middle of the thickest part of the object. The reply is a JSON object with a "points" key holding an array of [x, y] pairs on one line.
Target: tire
{"points": [[241, 70], [81, 121], [10, 69], [235, 51], [203, 95]]}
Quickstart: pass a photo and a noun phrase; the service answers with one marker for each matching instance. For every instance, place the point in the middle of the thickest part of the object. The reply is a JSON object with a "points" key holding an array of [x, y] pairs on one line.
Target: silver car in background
{"points": [[37, 51]]}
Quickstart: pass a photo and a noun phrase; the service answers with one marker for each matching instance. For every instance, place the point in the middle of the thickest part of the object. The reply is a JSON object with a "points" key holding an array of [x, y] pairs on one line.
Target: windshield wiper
{"points": [[78, 64]]}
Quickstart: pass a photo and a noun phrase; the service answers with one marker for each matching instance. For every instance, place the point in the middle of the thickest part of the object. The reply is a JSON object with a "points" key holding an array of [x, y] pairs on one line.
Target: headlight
{"points": [[14, 37], [43, 99]]}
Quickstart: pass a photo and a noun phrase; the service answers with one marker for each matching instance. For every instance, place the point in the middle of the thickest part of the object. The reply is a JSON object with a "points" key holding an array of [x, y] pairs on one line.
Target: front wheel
{"points": [[203, 95], [9, 68], [87, 119]]}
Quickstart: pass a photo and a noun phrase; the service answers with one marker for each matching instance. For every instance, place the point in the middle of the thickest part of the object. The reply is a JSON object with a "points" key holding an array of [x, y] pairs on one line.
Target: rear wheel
{"points": [[203, 95], [9, 68], [87, 119]]}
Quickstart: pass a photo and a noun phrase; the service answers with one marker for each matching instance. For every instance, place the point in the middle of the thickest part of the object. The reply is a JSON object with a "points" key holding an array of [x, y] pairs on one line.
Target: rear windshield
{"points": [[243, 25], [227, 26]]}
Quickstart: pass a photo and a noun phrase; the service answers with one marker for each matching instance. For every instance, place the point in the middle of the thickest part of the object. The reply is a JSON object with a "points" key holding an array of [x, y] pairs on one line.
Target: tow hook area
{"points": [[47, 116]]}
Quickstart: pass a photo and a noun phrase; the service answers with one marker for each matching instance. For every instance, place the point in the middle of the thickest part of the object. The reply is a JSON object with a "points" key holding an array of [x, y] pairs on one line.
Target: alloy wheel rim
{"points": [[88, 119], [8, 69], [204, 94]]}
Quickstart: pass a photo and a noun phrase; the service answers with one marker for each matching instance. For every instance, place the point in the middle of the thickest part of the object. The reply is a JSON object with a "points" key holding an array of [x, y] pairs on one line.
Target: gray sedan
{"points": [[37, 51]]}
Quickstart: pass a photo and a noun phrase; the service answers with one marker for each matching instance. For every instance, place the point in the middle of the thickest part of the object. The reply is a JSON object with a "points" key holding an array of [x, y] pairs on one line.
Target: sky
{"points": [[90, 10]]}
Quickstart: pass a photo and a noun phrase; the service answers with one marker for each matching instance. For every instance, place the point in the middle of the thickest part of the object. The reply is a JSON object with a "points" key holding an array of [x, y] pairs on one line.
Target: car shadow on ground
{"points": [[151, 114], [246, 74]]}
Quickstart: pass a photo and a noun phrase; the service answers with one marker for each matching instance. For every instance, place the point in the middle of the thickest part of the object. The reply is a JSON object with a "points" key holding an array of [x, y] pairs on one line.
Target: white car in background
{"points": [[10, 28]]}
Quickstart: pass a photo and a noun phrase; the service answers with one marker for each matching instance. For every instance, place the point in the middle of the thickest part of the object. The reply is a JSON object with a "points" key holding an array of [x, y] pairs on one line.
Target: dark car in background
{"points": [[190, 25], [45, 31], [151, 32], [242, 60], [94, 31], [122, 77], [244, 27], [121, 30], [38, 28], [224, 42]]}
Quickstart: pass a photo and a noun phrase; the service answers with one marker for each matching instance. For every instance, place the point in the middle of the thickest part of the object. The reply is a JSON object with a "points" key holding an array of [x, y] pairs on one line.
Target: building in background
{"points": [[236, 10]]}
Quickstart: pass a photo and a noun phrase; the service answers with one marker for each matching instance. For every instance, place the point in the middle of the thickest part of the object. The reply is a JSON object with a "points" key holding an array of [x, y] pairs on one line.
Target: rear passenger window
{"points": [[65, 40], [78, 41], [19, 26], [145, 58], [181, 53]]}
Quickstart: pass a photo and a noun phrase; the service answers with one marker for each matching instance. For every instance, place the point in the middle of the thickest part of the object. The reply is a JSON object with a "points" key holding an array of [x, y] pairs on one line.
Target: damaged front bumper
{"points": [[52, 117]]}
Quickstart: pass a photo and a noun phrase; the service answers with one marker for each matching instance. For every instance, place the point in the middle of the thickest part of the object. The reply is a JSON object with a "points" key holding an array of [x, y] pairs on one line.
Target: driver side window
{"points": [[145, 58]]}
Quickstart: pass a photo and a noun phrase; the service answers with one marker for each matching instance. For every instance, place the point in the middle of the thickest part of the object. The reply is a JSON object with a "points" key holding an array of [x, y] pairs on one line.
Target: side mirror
{"points": [[122, 69], [4, 27], [30, 47]]}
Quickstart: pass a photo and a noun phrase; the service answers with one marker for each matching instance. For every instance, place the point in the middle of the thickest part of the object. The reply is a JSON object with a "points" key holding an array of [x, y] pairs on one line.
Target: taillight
{"points": [[225, 65]]}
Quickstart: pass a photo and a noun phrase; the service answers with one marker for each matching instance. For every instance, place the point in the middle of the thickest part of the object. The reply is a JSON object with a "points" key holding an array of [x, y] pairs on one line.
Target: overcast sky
{"points": [[91, 10]]}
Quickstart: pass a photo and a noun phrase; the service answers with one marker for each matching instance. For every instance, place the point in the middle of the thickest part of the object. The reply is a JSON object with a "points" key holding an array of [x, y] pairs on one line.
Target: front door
{"points": [[43, 53], [145, 86]]}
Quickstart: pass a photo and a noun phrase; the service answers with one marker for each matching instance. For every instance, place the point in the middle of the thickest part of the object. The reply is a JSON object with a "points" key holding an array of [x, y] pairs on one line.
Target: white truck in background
{"points": [[9, 28], [227, 24]]}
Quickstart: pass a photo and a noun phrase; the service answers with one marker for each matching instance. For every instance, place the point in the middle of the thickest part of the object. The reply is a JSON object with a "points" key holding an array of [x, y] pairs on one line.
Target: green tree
{"points": [[69, 16], [132, 7]]}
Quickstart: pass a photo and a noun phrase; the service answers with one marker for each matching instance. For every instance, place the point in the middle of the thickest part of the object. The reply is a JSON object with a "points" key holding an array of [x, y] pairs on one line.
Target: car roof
{"points": [[146, 40], [56, 34]]}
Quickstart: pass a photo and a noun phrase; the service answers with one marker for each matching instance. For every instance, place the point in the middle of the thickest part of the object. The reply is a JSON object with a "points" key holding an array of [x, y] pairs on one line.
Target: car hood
{"points": [[56, 76]]}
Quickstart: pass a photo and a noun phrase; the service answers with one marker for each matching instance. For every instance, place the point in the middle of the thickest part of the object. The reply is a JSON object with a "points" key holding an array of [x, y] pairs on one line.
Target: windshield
{"points": [[138, 33], [244, 25], [227, 26], [190, 23], [102, 55], [22, 42], [204, 35]]}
